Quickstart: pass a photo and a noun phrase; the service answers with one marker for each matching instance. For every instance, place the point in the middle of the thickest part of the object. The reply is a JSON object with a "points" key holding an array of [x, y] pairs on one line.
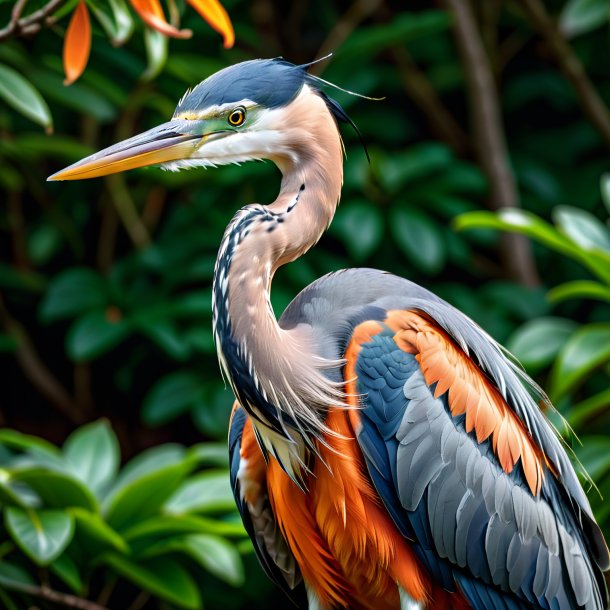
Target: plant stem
{"points": [[32, 23], [488, 134], [591, 102]]}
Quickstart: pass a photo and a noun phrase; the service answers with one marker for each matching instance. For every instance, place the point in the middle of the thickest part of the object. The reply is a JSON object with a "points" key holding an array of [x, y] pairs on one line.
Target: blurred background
{"points": [[486, 184]]}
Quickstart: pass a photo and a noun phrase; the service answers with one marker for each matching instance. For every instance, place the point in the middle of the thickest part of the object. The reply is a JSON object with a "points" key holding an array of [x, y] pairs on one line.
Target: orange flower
{"points": [[152, 15], [216, 16], [77, 43]]}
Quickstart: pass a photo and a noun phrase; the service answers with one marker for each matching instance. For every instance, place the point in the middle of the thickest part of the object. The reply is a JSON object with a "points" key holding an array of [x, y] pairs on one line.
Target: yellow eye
{"points": [[237, 116]]}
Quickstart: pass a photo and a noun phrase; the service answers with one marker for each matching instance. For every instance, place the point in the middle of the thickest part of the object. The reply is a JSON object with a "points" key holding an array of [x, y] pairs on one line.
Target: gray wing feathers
{"points": [[480, 517]]}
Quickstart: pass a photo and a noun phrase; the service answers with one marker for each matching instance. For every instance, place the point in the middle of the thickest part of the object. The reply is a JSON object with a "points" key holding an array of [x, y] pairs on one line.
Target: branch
{"points": [[424, 96], [57, 597], [349, 21], [489, 136], [36, 371], [571, 66], [32, 23]]}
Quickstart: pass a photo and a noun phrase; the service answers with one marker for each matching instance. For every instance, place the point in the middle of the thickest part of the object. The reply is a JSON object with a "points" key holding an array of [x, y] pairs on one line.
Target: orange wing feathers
{"points": [[470, 393]]}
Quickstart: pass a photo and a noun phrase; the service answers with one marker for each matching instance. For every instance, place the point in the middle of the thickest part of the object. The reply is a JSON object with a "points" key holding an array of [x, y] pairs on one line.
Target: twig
{"points": [[489, 136], [571, 66], [32, 23], [424, 96], [57, 597], [36, 371], [349, 21]]}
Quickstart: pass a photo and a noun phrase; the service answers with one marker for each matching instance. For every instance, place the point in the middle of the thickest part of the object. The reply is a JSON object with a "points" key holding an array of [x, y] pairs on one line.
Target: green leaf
{"points": [[403, 28], [584, 229], [75, 291], [419, 238], [582, 16], [26, 442], [579, 289], [359, 225], [171, 396], [586, 350], [93, 453], [12, 495], [42, 535], [162, 577], [14, 577], [525, 223], [206, 492], [19, 93], [156, 53], [148, 461], [537, 342], [66, 569], [213, 553], [56, 489], [120, 26], [593, 406], [95, 334], [214, 454], [170, 525], [93, 528], [143, 496], [605, 189]]}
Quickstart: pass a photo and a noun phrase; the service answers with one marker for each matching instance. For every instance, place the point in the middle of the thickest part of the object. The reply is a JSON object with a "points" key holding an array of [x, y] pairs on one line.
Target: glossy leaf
{"points": [[93, 454], [586, 350], [360, 227], [213, 553], [56, 489], [537, 342], [156, 53], [582, 228], [216, 16], [95, 334], [419, 238], [73, 292], [143, 496], [605, 189], [77, 43], [580, 16], [589, 408], [20, 94], [171, 396], [171, 525], [119, 26], [162, 577], [14, 577], [92, 529], [579, 289], [42, 535], [206, 492], [66, 569]]}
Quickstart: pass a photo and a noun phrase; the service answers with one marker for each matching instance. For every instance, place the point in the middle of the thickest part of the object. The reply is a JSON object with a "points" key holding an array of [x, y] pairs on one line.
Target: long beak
{"points": [[167, 142]]}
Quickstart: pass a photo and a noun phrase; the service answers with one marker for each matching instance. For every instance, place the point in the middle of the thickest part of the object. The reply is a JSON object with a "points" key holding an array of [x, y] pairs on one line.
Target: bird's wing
{"points": [[247, 470], [462, 474]]}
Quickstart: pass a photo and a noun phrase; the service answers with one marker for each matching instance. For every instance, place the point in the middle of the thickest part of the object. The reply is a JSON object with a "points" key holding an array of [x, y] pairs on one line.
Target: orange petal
{"points": [[216, 16], [151, 13], [77, 43]]}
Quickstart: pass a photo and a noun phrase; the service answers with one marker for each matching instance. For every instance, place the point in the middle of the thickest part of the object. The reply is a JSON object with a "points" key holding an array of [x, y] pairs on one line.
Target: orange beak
{"points": [[168, 142]]}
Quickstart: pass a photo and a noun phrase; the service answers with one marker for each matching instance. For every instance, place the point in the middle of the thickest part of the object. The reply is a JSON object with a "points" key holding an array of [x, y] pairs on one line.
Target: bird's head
{"points": [[259, 109]]}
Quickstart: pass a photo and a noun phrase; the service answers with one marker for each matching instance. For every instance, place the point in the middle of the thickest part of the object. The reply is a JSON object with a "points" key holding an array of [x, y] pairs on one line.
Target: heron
{"points": [[386, 453]]}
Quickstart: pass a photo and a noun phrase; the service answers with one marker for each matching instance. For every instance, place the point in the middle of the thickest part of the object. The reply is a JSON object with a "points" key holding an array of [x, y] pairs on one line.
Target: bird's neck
{"points": [[277, 374]]}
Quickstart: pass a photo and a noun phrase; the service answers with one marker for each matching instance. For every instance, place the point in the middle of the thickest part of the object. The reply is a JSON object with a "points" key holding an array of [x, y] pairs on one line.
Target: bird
{"points": [[386, 453]]}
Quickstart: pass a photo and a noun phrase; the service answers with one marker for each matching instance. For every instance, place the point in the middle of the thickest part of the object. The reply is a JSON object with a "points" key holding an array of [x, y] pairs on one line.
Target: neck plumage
{"points": [[276, 374]]}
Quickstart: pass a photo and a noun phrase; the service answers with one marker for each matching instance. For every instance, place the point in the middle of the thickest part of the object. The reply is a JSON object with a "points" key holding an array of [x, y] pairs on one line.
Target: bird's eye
{"points": [[237, 116]]}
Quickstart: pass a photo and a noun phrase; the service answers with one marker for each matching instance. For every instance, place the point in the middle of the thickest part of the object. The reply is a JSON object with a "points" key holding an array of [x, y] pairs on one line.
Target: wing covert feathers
{"points": [[469, 393]]}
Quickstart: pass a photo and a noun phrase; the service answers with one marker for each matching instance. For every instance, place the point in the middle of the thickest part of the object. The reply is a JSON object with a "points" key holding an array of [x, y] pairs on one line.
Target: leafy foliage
{"points": [[158, 523], [105, 306]]}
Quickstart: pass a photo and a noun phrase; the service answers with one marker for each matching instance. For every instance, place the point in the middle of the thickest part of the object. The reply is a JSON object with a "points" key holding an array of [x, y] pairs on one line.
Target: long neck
{"points": [[276, 374]]}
